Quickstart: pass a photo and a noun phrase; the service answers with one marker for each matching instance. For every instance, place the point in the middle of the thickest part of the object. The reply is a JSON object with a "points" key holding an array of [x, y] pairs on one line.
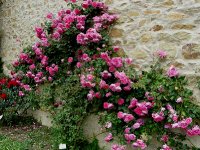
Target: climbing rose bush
{"points": [[133, 106]]}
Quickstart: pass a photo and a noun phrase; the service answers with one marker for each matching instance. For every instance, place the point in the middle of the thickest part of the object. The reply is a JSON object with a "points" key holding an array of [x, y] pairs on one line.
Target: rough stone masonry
{"points": [[144, 27]]}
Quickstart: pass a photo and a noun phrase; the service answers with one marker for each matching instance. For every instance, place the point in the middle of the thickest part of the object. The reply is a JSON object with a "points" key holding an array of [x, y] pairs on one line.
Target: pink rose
{"points": [[117, 62], [21, 93], [194, 131], [120, 101], [165, 138], [120, 115], [32, 67], [116, 48], [162, 54], [172, 72], [49, 16], [128, 117], [108, 125], [109, 137], [128, 61], [158, 117], [103, 85], [133, 103], [136, 125], [78, 65], [165, 147], [129, 137], [107, 105], [139, 143], [179, 100], [108, 94], [118, 147], [127, 130], [70, 60]]}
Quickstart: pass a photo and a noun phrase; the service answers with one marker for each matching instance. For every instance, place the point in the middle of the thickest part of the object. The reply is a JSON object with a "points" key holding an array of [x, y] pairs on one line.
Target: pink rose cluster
{"points": [[91, 36], [125, 116], [165, 147], [182, 123], [87, 81], [194, 131], [104, 20], [159, 116], [94, 4], [142, 108], [109, 137], [172, 72], [118, 147], [91, 95], [139, 144]]}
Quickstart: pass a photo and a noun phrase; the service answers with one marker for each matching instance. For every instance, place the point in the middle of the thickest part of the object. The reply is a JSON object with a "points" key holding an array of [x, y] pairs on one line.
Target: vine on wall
{"points": [[78, 69]]}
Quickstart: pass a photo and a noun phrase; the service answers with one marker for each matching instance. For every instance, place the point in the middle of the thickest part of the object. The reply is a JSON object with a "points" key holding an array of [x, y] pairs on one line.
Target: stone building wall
{"points": [[144, 27]]}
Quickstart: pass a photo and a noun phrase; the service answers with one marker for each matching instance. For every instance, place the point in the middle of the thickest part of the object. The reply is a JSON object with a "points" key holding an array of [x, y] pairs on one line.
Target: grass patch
{"points": [[26, 135], [9, 144]]}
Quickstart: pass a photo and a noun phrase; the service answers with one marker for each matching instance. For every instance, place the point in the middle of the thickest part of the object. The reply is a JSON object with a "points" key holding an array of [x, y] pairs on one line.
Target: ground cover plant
{"points": [[74, 70], [26, 134]]}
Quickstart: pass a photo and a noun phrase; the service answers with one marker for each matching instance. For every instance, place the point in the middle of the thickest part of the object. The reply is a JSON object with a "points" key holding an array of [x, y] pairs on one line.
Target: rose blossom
{"points": [[172, 72], [133, 103], [117, 62], [165, 138], [108, 94], [118, 147], [194, 131], [162, 54], [166, 147], [108, 125], [109, 137], [70, 60], [158, 117], [127, 130], [136, 125], [107, 105], [120, 101], [128, 117], [139, 143], [129, 137], [116, 48], [78, 65], [179, 100], [21, 93], [120, 115]]}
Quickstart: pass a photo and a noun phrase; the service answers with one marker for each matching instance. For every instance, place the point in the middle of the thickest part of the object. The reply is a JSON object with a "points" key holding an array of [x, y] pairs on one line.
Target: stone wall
{"points": [[144, 27]]}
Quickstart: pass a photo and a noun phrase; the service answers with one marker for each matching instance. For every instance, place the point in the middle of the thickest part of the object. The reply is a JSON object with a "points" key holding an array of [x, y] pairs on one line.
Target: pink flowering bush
{"points": [[132, 105]]}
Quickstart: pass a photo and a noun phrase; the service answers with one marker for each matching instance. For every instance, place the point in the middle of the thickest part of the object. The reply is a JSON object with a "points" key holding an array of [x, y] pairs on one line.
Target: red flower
{"points": [[12, 83], [3, 81], [3, 96]]}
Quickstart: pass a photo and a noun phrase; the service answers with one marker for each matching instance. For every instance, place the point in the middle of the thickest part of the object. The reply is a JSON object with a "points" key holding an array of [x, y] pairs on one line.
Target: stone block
{"points": [[191, 51], [176, 16], [116, 33], [183, 26], [156, 28]]}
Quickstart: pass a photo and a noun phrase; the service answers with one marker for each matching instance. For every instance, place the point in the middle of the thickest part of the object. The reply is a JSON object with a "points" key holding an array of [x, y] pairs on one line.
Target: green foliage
{"points": [[9, 144], [91, 146], [69, 116], [26, 138]]}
